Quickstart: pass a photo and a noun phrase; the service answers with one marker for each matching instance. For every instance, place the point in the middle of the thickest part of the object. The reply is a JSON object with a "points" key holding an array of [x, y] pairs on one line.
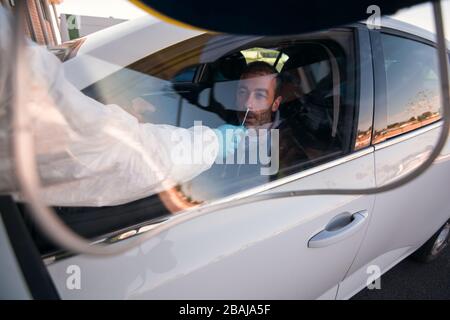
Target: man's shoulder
{"points": [[289, 142]]}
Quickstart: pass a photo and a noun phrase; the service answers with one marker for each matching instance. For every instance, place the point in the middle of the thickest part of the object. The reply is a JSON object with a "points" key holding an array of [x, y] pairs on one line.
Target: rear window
{"points": [[412, 85]]}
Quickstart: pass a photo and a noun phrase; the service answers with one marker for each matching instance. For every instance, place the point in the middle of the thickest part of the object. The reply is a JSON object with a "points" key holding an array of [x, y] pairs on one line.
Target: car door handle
{"points": [[340, 227]]}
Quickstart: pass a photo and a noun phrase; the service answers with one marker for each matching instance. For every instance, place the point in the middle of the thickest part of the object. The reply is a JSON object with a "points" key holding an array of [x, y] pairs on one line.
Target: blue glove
{"points": [[229, 137]]}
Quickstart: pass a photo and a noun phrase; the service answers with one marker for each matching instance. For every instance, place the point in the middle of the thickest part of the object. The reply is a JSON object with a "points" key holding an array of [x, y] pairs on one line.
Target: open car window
{"points": [[314, 120]]}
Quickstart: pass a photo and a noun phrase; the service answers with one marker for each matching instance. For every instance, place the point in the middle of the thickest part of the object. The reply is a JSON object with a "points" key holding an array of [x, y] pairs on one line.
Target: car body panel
{"points": [[402, 221], [242, 259]]}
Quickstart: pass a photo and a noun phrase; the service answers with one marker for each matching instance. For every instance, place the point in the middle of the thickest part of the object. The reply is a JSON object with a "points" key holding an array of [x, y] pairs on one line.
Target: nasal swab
{"points": [[245, 117]]}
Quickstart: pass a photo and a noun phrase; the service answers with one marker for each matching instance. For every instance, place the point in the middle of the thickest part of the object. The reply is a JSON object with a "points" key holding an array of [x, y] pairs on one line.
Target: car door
{"points": [[259, 241], [254, 251], [407, 126]]}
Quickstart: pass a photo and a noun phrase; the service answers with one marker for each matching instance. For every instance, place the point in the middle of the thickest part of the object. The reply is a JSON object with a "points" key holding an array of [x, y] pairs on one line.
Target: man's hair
{"points": [[262, 68]]}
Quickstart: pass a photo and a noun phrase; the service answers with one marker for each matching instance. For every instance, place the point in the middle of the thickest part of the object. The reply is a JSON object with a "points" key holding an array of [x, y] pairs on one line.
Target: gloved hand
{"points": [[229, 137]]}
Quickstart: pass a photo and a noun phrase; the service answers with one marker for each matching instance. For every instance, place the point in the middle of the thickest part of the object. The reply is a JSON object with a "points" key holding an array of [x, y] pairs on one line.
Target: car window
{"points": [[272, 56], [412, 85], [314, 120], [186, 75]]}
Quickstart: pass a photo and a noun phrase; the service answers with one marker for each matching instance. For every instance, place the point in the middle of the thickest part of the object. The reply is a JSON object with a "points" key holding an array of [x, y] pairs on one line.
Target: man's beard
{"points": [[256, 119]]}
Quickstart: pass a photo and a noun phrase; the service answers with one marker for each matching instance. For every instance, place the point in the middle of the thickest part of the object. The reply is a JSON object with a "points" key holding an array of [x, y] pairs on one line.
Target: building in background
{"points": [[46, 26], [42, 25], [76, 26]]}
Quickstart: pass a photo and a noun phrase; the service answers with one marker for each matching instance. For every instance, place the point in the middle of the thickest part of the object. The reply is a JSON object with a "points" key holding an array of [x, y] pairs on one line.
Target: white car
{"points": [[364, 104]]}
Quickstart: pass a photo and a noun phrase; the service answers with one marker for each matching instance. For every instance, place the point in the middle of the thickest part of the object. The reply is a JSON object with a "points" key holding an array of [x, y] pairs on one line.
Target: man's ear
{"points": [[276, 103]]}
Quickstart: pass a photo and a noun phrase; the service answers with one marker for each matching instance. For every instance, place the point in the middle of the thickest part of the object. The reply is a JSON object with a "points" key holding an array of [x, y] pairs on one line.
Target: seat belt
{"points": [[336, 90]]}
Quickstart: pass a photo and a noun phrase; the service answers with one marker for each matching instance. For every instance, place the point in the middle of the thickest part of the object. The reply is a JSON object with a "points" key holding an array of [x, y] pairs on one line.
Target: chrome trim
{"points": [[49, 260], [110, 238], [296, 176], [199, 75], [387, 22], [408, 135], [223, 203]]}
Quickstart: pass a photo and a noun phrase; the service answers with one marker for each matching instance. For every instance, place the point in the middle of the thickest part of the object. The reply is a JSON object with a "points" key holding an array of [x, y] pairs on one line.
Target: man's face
{"points": [[256, 92]]}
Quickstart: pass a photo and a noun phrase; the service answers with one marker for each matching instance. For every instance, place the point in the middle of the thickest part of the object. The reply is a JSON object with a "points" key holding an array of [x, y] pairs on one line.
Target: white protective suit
{"points": [[90, 154]]}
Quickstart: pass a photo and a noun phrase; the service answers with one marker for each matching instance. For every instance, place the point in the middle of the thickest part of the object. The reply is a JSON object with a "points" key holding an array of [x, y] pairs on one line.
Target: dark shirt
{"points": [[225, 179]]}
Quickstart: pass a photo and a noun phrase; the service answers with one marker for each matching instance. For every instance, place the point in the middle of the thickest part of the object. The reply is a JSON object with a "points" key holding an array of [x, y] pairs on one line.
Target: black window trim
{"points": [[364, 89]]}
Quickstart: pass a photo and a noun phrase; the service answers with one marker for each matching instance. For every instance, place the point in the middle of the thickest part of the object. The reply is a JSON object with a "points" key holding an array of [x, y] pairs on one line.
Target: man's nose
{"points": [[250, 103]]}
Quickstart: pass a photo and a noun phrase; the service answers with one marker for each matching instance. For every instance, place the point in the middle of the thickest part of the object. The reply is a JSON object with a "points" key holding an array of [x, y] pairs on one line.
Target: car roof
{"points": [[391, 23]]}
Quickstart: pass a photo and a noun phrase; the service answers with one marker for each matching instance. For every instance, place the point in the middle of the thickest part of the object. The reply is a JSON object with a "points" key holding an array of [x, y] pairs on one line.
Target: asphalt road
{"points": [[413, 280]]}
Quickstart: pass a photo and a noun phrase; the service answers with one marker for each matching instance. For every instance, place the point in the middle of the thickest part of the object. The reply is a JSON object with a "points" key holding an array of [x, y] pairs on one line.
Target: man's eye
{"points": [[260, 96], [242, 92]]}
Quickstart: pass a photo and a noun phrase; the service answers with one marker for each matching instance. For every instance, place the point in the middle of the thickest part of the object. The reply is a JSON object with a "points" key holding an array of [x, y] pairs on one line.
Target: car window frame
{"points": [[361, 74], [364, 76]]}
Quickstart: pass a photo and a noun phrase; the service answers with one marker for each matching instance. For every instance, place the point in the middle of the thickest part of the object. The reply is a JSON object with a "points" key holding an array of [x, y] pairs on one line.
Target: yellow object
{"points": [[163, 17]]}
